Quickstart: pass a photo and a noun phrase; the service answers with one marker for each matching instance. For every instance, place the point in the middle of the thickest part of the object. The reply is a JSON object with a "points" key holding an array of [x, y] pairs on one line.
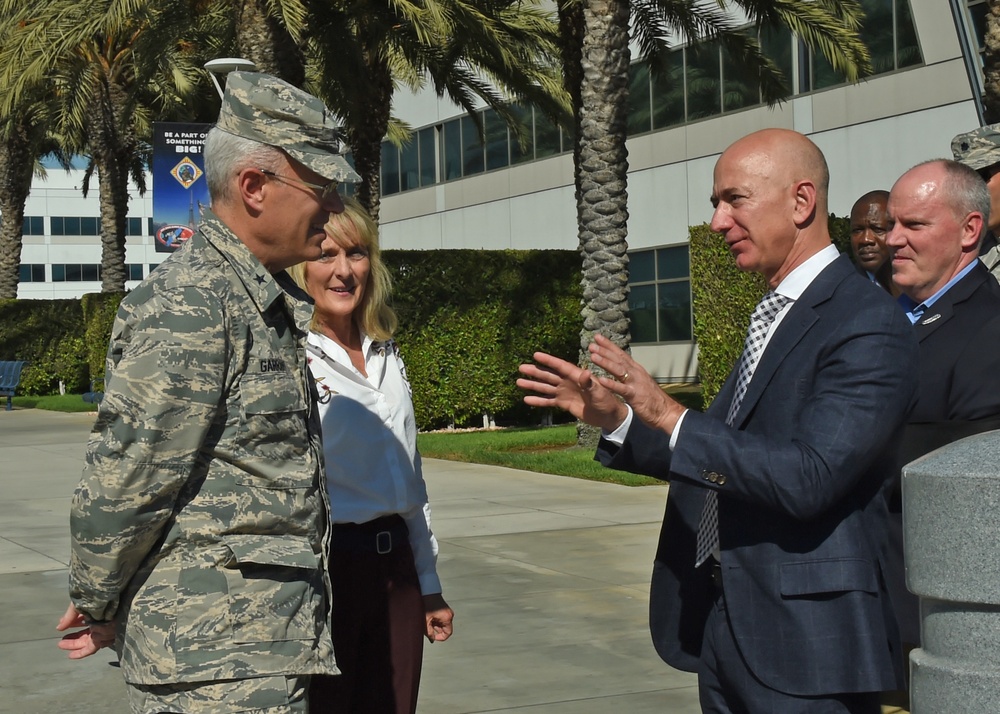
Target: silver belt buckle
{"points": [[383, 542]]}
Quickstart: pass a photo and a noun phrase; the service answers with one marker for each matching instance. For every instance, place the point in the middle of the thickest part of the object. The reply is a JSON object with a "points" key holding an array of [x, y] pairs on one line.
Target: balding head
{"points": [[938, 212], [770, 198]]}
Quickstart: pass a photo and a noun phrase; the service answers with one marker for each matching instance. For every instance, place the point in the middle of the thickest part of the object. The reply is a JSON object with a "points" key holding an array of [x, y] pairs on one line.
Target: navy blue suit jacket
{"points": [[958, 374], [800, 477], [958, 395]]}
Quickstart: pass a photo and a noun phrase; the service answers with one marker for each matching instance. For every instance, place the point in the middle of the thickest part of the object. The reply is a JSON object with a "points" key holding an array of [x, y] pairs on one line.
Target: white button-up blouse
{"points": [[370, 444]]}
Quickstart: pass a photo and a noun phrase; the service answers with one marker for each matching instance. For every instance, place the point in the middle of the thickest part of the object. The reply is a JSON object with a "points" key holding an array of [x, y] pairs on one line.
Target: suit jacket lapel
{"points": [[801, 316], [944, 307]]}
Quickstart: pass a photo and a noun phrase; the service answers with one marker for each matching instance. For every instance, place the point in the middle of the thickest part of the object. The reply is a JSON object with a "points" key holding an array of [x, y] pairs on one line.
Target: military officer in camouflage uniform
{"points": [[199, 529], [979, 149]]}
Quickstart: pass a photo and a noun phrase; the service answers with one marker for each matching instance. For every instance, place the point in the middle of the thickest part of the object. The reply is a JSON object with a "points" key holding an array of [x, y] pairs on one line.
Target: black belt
{"points": [[380, 536]]}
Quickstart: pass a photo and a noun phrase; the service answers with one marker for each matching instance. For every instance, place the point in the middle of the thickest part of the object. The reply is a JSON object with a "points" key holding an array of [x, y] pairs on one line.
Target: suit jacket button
{"points": [[712, 476], [722, 479]]}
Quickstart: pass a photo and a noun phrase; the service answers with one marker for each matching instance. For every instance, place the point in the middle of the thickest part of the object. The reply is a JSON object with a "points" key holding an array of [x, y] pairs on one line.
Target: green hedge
{"points": [[468, 318], [723, 297], [99, 310], [62, 340], [48, 334]]}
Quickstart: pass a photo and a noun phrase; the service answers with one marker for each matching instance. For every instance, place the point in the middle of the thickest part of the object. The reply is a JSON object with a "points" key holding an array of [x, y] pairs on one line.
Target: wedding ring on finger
{"points": [[624, 377]]}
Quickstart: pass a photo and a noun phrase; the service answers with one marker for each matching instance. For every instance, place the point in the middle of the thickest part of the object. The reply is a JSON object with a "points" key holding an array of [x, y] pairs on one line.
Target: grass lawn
{"points": [[550, 450]]}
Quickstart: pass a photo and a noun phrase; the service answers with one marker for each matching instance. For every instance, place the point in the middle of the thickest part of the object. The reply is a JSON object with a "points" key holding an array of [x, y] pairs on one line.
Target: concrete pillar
{"points": [[951, 530]]}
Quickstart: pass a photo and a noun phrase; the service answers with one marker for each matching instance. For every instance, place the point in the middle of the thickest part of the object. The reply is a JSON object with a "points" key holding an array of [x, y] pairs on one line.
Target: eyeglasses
{"points": [[325, 190]]}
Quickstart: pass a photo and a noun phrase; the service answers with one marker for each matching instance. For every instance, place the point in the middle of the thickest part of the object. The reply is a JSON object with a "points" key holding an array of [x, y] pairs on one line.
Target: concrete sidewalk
{"points": [[548, 577]]}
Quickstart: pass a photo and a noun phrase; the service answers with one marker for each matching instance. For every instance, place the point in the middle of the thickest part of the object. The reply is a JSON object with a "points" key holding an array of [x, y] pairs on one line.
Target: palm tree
{"points": [[112, 67], [271, 36], [496, 51], [595, 34], [23, 140], [991, 64]]}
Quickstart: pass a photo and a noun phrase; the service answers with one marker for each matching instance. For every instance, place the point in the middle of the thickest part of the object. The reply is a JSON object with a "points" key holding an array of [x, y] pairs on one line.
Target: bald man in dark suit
{"points": [[768, 579]]}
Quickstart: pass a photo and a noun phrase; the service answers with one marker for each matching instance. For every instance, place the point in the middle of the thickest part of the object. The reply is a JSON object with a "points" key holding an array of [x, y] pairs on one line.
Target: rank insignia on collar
{"points": [[931, 319], [260, 279]]}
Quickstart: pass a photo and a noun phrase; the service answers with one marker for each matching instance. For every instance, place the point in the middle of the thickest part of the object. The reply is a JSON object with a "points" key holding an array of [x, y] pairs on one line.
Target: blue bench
{"points": [[94, 396], [10, 377]]}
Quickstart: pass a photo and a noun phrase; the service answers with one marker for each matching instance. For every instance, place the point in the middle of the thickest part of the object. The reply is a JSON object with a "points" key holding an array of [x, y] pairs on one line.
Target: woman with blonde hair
{"points": [[386, 592]]}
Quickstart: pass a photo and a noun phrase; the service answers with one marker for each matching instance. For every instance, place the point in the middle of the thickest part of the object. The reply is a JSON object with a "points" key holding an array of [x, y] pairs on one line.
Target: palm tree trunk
{"points": [[991, 64], [601, 177], [111, 148], [365, 137], [264, 40], [112, 177], [16, 166]]}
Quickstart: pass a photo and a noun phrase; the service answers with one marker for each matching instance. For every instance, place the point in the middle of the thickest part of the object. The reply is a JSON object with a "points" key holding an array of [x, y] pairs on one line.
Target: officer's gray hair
{"points": [[227, 154], [967, 193]]}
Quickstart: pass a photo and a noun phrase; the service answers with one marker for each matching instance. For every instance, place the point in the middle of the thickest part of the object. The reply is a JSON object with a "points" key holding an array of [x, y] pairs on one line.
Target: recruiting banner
{"points": [[179, 187]]}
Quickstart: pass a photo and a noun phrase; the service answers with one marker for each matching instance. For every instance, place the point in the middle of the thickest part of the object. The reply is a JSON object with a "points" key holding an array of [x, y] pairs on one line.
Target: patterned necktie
{"points": [[760, 321]]}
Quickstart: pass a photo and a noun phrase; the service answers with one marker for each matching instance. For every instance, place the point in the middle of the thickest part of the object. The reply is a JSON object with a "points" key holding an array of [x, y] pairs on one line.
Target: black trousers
{"points": [[378, 624]]}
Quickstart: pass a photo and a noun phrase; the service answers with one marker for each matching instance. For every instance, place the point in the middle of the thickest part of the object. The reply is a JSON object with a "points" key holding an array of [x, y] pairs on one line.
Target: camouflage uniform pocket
{"points": [[272, 582], [273, 439]]}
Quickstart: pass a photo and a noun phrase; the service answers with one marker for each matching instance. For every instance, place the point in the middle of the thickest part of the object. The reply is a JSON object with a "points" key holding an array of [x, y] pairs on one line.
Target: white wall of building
{"points": [[60, 193]]}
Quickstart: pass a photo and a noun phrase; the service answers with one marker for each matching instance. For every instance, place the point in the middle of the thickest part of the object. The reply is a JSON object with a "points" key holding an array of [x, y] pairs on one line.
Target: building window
{"points": [[522, 141], [428, 156], [76, 273], [75, 226], [978, 10], [451, 149], [668, 93], [473, 158], [409, 165], [33, 273], [497, 144], [33, 226], [548, 137], [660, 295], [739, 84], [134, 271], [133, 227], [890, 36], [461, 150], [703, 80], [640, 115], [412, 166]]}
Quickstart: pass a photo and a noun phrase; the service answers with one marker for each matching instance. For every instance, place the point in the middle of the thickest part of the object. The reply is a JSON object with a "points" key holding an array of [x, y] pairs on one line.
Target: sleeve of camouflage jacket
{"points": [[167, 368]]}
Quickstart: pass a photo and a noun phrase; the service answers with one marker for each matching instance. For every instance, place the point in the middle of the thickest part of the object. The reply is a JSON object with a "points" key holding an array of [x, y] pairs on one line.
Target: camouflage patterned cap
{"points": [[269, 110], [978, 148]]}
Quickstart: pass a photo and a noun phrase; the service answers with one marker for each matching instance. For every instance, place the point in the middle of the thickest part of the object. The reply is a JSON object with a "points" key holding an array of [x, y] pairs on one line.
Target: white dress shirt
{"points": [[370, 444], [792, 287]]}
